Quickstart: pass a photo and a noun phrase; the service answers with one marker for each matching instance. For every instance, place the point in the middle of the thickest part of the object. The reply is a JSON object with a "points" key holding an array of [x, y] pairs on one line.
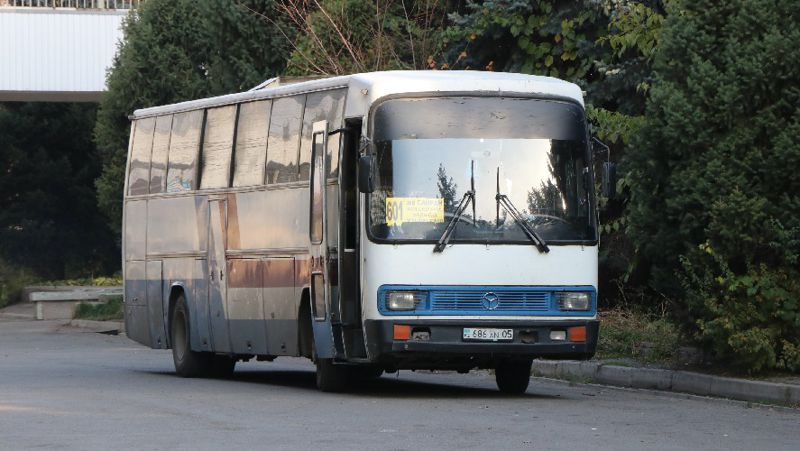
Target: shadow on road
{"points": [[387, 386]]}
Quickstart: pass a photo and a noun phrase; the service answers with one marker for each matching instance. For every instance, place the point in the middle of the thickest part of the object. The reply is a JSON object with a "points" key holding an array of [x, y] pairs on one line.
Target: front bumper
{"points": [[446, 348]]}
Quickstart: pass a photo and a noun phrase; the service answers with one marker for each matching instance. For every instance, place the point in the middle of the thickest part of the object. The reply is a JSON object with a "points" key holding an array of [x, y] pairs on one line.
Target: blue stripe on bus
{"points": [[467, 300]]}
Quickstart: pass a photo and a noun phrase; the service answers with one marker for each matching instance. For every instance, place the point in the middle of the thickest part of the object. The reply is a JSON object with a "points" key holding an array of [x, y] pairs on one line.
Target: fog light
{"points": [[558, 335]]}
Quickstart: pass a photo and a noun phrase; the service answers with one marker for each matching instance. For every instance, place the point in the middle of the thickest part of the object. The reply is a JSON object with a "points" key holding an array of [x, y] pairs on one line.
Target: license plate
{"points": [[484, 334]]}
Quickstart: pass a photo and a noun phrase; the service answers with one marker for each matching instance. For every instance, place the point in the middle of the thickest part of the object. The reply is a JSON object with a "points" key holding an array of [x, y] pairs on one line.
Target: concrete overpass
{"points": [[58, 50]]}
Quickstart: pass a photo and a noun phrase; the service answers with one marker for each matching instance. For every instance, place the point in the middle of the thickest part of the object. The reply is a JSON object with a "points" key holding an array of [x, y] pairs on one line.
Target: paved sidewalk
{"points": [[782, 393]]}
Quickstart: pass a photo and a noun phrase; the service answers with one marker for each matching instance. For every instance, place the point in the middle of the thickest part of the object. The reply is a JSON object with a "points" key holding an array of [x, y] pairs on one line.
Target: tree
{"points": [[715, 206], [338, 37], [49, 221], [175, 50]]}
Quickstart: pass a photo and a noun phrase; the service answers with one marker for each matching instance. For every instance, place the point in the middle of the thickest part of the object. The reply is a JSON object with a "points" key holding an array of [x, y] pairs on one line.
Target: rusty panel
{"points": [[248, 332], [280, 305], [177, 224], [268, 219], [135, 229]]}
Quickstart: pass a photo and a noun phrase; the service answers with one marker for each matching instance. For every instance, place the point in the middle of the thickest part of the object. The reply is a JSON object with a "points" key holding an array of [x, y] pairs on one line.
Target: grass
{"points": [[626, 334], [107, 311]]}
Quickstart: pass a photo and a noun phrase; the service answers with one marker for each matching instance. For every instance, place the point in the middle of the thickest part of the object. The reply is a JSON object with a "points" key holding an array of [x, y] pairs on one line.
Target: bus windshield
{"points": [[536, 156]]}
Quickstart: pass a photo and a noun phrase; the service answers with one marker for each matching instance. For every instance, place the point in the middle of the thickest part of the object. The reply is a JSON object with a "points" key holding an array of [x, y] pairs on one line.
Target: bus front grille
{"points": [[508, 301]]}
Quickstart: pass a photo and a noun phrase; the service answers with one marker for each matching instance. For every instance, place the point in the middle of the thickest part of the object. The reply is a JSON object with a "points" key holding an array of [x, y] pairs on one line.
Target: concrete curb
{"points": [[669, 380], [99, 326]]}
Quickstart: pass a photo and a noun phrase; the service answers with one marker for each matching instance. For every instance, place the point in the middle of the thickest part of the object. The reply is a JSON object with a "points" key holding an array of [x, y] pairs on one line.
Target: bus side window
{"points": [[158, 164], [322, 106], [215, 168], [251, 143], [184, 149], [140, 156], [284, 139]]}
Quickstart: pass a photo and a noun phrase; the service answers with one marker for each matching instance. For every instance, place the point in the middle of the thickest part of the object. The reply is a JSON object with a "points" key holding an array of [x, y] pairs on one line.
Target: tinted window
{"points": [[184, 148], [217, 147], [322, 106], [251, 143], [140, 156], [284, 139], [158, 167]]}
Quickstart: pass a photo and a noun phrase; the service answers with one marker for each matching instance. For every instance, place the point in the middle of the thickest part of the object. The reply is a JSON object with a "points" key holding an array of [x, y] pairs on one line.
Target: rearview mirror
{"points": [[608, 182], [365, 182]]}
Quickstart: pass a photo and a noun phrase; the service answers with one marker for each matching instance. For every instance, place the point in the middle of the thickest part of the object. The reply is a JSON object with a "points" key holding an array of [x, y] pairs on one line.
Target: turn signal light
{"points": [[577, 334], [402, 332]]}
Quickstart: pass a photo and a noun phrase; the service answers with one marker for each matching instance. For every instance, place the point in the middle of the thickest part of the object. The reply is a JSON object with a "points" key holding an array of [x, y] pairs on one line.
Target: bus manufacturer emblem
{"points": [[490, 301]]}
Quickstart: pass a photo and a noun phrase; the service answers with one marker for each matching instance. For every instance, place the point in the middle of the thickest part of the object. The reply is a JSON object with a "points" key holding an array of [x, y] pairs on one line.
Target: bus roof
{"points": [[379, 84]]}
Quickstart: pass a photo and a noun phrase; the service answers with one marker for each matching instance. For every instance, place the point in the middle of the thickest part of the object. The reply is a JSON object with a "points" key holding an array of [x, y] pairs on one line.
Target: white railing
{"points": [[71, 4]]}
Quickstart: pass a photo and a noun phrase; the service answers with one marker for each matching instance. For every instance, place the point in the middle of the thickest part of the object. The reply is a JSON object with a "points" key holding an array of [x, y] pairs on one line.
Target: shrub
{"points": [[715, 206]]}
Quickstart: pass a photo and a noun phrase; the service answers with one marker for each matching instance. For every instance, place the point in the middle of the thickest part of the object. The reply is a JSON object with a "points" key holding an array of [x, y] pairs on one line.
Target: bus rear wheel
{"points": [[513, 377], [188, 363]]}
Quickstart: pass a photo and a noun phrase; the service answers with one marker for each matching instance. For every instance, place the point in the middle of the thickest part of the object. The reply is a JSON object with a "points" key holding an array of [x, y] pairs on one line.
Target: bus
{"points": [[376, 222]]}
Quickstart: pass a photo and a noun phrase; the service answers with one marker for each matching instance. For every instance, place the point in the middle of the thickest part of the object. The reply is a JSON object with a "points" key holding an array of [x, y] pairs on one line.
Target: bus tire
{"points": [[330, 377], [513, 377], [188, 363]]}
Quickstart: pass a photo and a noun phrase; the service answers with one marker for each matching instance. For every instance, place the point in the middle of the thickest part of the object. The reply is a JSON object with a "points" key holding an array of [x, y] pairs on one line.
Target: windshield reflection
{"points": [[421, 181]]}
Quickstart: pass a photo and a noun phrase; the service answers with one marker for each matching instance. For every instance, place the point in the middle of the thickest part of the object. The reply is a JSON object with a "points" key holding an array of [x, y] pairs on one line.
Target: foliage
{"points": [[715, 200], [544, 37], [110, 310], [49, 220], [112, 281], [626, 333], [338, 37], [12, 281], [175, 50]]}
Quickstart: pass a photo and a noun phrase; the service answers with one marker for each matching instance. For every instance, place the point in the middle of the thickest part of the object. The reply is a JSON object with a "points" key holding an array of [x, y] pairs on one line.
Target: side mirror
{"points": [[608, 183], [365, 182]]}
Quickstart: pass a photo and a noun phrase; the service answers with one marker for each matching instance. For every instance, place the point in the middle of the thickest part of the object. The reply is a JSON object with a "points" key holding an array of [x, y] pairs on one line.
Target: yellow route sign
{"points": [[413, 209]]}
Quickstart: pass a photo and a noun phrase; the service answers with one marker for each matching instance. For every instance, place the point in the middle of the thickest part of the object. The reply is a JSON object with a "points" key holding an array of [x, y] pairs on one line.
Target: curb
{"points": [[669, 380], [113, 327]]}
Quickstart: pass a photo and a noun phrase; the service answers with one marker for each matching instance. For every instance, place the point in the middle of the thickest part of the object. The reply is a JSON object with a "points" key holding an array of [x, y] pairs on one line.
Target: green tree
{"points": [[715, 209], [348, 36], [175, 50], [49, 220]]}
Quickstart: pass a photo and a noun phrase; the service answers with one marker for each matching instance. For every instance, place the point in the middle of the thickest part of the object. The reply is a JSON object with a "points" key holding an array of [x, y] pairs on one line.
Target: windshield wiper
{"points": [[451, 226], [503, 200]]}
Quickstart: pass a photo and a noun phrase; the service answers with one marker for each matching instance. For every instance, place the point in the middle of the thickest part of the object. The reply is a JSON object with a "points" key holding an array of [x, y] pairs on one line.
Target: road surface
{"points": [[67, 388]]}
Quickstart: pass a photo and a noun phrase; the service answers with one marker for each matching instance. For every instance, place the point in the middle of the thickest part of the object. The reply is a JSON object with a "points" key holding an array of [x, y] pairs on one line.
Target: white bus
{"points": [[370, 222]]}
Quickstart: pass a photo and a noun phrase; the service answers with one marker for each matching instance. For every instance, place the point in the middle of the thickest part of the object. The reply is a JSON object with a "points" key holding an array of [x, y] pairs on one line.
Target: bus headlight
{"points": [[404, 300], [573, 300]]}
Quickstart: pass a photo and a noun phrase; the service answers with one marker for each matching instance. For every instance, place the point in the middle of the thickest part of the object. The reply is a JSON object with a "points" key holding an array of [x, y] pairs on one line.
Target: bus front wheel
{"points": [[513, 377]]}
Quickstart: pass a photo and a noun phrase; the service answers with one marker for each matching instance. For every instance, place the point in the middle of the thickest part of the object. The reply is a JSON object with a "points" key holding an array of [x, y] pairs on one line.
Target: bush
{"points": [[106, 311], [12, 282], [633, 334], [715, 206]]}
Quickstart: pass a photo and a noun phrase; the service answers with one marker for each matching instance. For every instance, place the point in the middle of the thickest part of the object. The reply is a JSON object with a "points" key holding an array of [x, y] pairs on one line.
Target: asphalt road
{"points": [[66, 388]]}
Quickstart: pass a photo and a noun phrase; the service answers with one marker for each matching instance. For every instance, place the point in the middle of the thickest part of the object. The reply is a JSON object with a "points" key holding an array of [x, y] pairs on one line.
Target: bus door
{"points": [[217, 280], [318, 246]]}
